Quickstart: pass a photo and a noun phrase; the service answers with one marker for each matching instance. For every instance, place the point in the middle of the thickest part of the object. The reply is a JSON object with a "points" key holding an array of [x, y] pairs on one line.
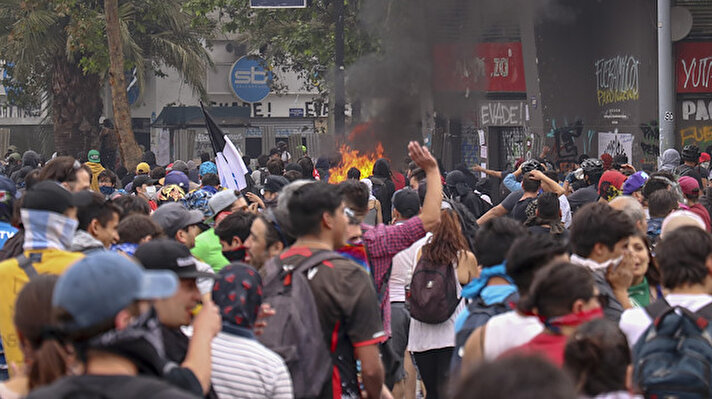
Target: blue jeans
{"points": [[4, 375]]}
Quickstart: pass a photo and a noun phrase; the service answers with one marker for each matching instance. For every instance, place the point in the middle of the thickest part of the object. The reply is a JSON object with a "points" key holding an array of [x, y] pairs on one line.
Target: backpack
{"points": [[673, 357], [432, 295], [294, 332], [468, 222], [478, 314], [379, 188]]}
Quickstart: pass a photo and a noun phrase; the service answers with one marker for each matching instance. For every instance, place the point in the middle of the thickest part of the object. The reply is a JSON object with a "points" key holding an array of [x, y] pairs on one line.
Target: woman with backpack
{"points": [[563, 296], [442, 266]]}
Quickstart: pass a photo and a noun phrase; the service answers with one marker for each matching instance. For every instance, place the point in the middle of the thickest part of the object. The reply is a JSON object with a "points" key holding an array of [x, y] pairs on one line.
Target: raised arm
{"points": [[430, 215]]}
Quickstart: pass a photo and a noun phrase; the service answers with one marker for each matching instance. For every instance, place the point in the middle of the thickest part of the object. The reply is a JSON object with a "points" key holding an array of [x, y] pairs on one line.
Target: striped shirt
{"points": [[244, 368]]}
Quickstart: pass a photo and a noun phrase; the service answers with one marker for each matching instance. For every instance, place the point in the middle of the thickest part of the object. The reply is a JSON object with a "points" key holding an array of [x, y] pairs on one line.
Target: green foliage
{"points": [[300, 40], [155, 34]]}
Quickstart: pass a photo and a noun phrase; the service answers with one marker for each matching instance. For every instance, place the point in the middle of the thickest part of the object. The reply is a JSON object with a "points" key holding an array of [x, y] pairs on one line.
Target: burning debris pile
{"points": [[351, 158]]}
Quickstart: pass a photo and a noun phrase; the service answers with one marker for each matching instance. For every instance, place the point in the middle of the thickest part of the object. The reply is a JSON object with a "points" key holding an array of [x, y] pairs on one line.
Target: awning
{"points": [[186, 116]]}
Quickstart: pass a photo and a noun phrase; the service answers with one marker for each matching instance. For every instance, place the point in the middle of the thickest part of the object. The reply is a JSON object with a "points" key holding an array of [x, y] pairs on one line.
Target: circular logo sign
{"points": [[249, 80]]}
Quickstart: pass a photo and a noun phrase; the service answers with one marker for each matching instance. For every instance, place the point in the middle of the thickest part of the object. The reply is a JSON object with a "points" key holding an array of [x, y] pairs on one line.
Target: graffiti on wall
{"points": [[617, 79], [503, 113], [565, 138], [516, 143], [650, 144], [615, 144], [696, 117]]}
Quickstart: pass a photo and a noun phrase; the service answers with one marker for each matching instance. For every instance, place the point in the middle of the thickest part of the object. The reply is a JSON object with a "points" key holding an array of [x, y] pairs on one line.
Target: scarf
{"points": [[236, 255], [554, 324], [357, 253], [476, 286], [592, 264], [126, 247], [640, 294], [46, 229]]}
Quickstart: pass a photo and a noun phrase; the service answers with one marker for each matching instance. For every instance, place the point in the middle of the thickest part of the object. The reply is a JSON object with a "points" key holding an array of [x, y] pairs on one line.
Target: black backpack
{"points": [[294, 332], [468, 222], [379, 188], [431, 296]]}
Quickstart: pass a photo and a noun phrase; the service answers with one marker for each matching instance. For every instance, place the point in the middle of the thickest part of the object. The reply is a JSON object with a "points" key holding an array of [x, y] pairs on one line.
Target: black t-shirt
{"points": [[349, 315], [563, 236], [512, 200], [685, 170], [519, 212], [109, 387]]}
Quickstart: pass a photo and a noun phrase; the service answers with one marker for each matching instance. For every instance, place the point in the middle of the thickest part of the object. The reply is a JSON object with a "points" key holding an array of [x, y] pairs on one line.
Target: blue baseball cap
{"points": [[100, 285], [178, 178], [634, 182]]}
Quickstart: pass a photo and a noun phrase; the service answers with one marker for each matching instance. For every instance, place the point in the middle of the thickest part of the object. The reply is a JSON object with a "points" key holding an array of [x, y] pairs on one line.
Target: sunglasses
{"points": [[353, 219]]}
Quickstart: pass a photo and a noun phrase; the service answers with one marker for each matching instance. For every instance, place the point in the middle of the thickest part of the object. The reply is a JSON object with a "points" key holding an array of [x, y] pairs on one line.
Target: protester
{"points": [[633, 185], [177, 311], [660, 204], [275, 167], [516, 377], [144, 187], [49, 215], [431, 343], [242, 367], [94, 163], [598, 359], [8, 191], [97, 225], [592, 172], [690, 158], [563, 296], [30, 161], [633, 209], [383, 187], [207, 246], [266, 240], [233, 231], [107, 183], [460, 191], [350, 320], [599, 240], [170, 193], [260, 174], [691, 191], [374, 214], [679, 219], [610, 185], [45, 360], [68, 172], [670, 160], [135, 230], [102, 309], [132, 205], [547, 218], [645, 287], [353, 174], [512, 328]]}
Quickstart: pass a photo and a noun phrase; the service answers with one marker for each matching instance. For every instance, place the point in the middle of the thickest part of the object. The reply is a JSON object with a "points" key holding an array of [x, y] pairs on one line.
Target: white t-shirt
{"points": [[402, 271], [509, 330], [244, 368], [635, 321]]}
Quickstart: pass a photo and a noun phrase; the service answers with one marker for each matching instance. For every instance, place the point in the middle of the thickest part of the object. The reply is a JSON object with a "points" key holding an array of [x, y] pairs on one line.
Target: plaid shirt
{"points": [[382, 243]]}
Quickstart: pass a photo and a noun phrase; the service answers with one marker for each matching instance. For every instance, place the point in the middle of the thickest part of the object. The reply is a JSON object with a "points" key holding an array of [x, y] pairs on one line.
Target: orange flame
{"points": [[353, 159]]}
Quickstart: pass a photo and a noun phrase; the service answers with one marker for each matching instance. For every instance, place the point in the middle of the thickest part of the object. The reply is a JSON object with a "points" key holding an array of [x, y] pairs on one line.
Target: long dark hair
{"points": [[33, 316], [653, 273], [447, 240]]}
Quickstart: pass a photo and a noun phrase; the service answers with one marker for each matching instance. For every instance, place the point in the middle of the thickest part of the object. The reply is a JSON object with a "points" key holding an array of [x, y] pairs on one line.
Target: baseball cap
{"points": [[704, 157], [178, 178], [93, 156], [48, 195], [689, 185], [223, 200], [635, 182], [406, 201], [207, 167], [103, 283], [15, 156], [274, 184], [140, 180], [180, 166], [143, 168], [614, 177], [8, 189], [164, 254], [173, 216]]}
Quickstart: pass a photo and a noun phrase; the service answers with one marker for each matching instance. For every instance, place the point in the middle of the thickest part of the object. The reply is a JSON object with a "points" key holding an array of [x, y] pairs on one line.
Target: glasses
{"points": [[351, 214]]}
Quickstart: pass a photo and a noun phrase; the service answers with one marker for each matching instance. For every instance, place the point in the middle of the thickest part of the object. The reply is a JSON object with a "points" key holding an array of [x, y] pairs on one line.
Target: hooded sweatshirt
{"points": [[670, 160]]}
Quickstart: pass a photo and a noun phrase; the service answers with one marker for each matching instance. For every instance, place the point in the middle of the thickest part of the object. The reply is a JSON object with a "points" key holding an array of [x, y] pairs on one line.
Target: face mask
{"points": [[237, 255], [106, 190], [151, 192], [572, 319], [705, 165]]}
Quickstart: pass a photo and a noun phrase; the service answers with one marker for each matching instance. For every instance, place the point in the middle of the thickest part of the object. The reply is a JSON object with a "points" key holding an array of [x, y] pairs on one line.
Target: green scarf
{"points": [[640, 294]]}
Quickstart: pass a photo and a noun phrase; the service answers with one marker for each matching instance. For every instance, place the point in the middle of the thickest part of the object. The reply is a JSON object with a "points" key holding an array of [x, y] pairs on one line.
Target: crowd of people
{"points": [[595, 282]]}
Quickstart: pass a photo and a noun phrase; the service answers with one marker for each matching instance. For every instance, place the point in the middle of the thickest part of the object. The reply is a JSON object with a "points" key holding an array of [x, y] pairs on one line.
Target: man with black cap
{"points": [[690, 157], [144, 187], [182, 225], [49, 215], [207, 246], [103, 309], [460, 191], [270, 192], [406, 204], [177, 311]]}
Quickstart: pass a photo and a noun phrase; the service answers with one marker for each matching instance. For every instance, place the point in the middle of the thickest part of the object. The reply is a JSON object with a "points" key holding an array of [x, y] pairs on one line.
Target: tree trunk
{"points": [[130, 151], [76, 108]]}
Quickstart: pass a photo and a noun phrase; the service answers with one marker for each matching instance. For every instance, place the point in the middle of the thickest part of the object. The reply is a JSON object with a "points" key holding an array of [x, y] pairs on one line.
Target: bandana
{"points": [[238, 293], [357, 253], [475, 287], [572, 319], [640, 294], [172, 193], [46, 229], [236, 255], [126, 247]]}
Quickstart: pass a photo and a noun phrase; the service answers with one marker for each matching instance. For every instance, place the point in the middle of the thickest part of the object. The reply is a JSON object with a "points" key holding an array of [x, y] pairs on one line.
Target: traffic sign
{"points": [[278, 3], [249, 80]]}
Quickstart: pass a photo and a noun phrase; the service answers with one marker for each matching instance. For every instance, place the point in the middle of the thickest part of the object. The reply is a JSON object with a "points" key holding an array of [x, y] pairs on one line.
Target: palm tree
{"points": [[60, 47]]}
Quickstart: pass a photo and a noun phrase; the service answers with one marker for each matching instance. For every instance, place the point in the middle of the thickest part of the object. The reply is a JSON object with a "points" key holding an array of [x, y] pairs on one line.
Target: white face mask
{"points": [[705, 165], [151, 192]]}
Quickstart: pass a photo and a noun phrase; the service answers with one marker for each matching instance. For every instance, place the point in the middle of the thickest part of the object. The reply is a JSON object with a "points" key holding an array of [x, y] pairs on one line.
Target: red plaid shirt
{"points": [[382, 243]]}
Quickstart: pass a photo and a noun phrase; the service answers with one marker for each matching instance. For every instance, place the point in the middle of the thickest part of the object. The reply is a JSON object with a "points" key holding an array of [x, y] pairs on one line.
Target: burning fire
{"points": [[352, 158]]}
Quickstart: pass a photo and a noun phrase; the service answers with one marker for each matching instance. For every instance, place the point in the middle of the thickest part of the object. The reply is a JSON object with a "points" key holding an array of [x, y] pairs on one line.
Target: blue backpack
{"points": [[673, 358]]}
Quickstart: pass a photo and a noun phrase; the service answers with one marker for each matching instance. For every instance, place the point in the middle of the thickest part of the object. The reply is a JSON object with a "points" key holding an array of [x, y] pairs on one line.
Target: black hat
{"points": [[140, 180], [274, 184], [406, 202], [171, 255], [51, 196]]}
